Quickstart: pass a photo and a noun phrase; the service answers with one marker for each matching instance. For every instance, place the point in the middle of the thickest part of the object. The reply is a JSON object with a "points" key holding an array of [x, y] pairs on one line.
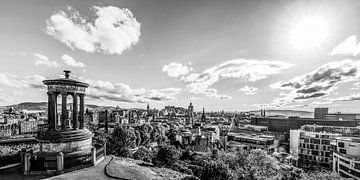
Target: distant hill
{"points": [[42, 106], [286, 113]]}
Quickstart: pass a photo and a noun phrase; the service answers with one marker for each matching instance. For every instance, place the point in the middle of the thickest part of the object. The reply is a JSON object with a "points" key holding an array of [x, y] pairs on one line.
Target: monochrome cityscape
{"points": [[180, 89]]}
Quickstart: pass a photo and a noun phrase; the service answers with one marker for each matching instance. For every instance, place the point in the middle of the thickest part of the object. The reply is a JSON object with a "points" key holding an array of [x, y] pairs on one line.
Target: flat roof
{"points": [[351, 139]]}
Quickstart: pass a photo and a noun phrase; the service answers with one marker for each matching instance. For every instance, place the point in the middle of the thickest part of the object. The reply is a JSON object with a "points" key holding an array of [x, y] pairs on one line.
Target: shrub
{"points": [[166, 156], [143, 154]]}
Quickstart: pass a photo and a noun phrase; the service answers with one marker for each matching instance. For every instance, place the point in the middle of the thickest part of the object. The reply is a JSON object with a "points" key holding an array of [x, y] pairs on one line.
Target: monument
{"points": [[67, 135]]}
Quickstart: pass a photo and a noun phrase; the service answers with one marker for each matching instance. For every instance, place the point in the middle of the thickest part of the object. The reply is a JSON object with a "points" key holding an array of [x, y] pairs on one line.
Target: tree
{"points": [[171, 135], [121, 140], [259, 165], [216, 170], [145, 131], [138, 137], [143, 154], [166, 156], [320, 175]]}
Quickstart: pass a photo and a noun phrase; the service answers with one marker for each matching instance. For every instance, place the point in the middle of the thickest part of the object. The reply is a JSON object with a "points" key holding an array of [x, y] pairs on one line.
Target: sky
{"points": [[222, 55]]}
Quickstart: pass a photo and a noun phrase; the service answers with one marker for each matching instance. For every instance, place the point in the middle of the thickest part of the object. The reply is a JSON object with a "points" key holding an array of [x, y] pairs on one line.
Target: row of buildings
{"points": [[327, 147], [328, 141]]}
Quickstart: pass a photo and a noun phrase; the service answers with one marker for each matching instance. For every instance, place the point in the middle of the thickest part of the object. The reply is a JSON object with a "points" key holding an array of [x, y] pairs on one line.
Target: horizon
{"points": [[144, 108], [231, 56]]}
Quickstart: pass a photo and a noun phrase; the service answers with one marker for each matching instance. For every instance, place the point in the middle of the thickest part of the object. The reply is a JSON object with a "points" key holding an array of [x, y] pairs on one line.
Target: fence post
{"points": [[105, 149], [22, 159], [60, 162], [26, 163], [93, 156]]}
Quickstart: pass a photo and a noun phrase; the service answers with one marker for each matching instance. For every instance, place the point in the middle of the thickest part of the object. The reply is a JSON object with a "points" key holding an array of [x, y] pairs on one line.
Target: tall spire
{"points": [[203, 117]]}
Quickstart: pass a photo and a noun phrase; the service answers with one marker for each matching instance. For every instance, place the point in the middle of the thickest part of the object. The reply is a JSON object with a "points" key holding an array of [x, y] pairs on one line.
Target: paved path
{"points": [[92, 173]]}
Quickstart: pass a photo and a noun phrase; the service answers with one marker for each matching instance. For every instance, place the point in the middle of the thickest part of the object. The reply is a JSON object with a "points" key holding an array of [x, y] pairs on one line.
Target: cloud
{"points": [[112, 30], [352, 97], [194, 98], [44, 60], [248, 90], [104, 90], [317, 83], [248, 70], [350, 46], [176, 69], [68, 60], [14, 81], [21, 53]]}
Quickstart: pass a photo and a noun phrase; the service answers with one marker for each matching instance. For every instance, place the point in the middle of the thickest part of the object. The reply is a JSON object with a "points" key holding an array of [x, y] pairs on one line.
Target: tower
{"points": [[191, 113], [203, 116]]}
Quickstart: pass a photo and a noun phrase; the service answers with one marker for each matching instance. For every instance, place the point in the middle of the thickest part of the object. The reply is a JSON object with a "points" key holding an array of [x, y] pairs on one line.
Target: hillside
{"points": [[286, 113], [42, 106]]}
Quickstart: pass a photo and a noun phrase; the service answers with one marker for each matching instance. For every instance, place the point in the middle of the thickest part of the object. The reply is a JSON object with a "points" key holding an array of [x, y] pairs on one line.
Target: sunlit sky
{"points": [[231, 55]]}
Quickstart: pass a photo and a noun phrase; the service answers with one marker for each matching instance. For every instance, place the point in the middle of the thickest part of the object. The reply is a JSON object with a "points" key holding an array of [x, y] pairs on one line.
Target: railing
{"points": [[57, 163], [83, 159], [100, 153]]}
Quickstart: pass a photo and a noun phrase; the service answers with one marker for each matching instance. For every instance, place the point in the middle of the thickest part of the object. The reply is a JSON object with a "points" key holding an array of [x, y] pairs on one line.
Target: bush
{"points": [[183, 167], [143, 154], [121, 141], [320, 175], [166, 156], [216, 170]]}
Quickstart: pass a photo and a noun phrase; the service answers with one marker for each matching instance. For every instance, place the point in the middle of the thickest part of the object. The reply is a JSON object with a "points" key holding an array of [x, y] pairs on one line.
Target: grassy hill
{"points": [[42, 106], [286, 113]]}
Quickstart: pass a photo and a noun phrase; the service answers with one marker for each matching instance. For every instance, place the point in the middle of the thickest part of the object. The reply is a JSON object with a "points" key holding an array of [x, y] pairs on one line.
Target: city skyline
{"points": [[233, 55]]}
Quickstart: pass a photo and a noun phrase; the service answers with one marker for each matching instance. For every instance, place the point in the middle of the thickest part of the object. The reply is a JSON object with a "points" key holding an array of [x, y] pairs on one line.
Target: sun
{"points": [[309, 33]]}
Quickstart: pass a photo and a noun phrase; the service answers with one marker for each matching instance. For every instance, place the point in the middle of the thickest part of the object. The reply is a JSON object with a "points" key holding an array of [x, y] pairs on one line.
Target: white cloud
{"points": [[351, 46], [112, 31], [68, 60], [119, 92], [248, 70], [44, 60], [318, 83], [176, 69], [14, 81], [194, 98], [21, 53], [356, 86], [248, 90]]}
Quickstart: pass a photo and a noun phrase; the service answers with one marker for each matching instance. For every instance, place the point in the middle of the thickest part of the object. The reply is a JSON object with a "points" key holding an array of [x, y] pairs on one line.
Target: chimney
{"points": [[67, 73]]}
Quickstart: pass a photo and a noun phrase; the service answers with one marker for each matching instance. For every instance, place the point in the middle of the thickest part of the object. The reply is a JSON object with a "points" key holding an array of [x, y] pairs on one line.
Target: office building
{"points": [[346, 157]]}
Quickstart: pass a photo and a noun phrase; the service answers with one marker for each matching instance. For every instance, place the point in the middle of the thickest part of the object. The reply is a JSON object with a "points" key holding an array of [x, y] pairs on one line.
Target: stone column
{"points": [[56, 120], [51, 110], [60, 162], [81, 114], [27, 163], [93, 156], [75, 111], [63, 111], [50, 117]]}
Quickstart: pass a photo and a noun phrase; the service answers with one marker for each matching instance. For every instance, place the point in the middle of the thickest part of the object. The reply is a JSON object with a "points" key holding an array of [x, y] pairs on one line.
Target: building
{"points": [[310, 147], [211, 132], [255, 128], [346, 156], [320, 113], [247, 142], [190, 115], [343, 117], [283, 124], [203, 116]]}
